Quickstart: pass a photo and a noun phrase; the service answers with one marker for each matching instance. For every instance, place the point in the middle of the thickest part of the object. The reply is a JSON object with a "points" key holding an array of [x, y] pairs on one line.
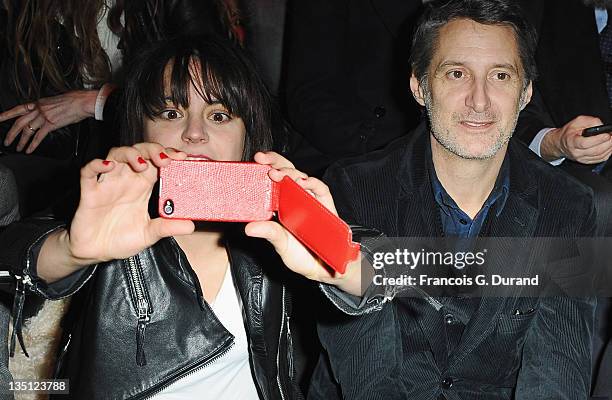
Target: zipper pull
{"points": [[140, 339], [17, 314]]}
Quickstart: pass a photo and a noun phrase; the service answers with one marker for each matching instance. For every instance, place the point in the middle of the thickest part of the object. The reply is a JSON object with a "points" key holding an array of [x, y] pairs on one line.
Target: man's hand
{"points": [[112, 220], [35, 120], [293, 253], [568, 142]]}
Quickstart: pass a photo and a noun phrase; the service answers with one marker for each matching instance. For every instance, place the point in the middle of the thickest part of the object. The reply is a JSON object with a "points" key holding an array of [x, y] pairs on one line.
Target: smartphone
{"points": [[205, 190], [596, 130]]}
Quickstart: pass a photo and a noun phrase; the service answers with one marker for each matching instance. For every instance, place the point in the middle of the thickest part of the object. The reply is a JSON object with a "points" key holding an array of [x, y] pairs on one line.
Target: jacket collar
{"points": [[416, 205], [520, 211]]}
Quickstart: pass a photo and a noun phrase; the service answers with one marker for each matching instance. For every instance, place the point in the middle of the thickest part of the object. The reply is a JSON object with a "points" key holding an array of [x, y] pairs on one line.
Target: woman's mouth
{"points": [[198, 157]]}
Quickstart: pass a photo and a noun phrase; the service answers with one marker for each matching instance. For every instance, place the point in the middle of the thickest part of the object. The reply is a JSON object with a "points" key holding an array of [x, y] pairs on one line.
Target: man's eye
{"points": [[456, 74], [502, 76], [170, 114], [219, 117]]}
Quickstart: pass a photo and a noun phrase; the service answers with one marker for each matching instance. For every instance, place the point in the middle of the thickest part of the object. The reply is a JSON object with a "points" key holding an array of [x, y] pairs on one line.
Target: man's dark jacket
{"points": [[396, 349]]}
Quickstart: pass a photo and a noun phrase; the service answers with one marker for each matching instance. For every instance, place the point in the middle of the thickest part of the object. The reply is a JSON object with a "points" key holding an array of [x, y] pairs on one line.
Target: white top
{"points": [[108, 40], [228, 377]]}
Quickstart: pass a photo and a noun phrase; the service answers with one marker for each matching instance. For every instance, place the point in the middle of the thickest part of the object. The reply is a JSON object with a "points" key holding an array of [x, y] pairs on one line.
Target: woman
{"points": [[168, 309], [60, 55], [57, 55]]}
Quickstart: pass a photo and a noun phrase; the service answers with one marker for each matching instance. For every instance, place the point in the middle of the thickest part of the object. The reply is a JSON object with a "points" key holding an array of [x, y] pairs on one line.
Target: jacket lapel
{"points": [[518, 219], [417, 217]]}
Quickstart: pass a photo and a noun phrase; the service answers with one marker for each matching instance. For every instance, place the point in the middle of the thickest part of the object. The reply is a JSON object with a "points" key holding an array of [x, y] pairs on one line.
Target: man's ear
{"points": [[417, 91], [526, 98]]}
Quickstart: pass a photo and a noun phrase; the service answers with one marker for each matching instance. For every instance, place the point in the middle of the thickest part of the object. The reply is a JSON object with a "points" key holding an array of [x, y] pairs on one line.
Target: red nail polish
{"points": [[163, 155], [106, 162], [141, 160]]}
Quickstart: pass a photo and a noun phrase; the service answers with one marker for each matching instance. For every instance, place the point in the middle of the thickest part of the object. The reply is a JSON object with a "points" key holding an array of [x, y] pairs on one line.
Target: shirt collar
{"points": [[498, 196]]}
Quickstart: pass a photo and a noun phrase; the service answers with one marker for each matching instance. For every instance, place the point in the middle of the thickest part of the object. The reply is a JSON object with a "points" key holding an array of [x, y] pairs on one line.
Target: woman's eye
{"points": [[219, 117], [170, 114]]}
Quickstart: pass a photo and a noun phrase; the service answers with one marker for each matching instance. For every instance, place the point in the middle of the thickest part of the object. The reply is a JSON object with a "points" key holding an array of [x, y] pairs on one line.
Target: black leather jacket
{"points": [[137, 325]]}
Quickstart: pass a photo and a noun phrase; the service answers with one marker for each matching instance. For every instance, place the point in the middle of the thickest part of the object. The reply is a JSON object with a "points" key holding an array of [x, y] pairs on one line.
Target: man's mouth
{"points": [[477, 124]]}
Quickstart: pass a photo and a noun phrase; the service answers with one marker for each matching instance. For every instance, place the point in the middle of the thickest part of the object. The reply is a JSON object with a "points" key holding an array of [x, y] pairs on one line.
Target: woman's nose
{"points": [[195, 131]]}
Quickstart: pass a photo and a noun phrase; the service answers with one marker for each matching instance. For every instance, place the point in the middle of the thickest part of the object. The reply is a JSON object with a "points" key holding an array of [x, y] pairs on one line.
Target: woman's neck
{"points": [[208, 258]]}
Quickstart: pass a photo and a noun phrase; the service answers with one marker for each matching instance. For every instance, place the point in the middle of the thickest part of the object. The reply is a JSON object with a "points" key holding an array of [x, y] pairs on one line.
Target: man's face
{"points": [[474, 89]]}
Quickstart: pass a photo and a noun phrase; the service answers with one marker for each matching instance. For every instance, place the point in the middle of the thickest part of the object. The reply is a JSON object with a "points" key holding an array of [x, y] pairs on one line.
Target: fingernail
{"points": [[106, 162], [163, 155], [141, 160]]}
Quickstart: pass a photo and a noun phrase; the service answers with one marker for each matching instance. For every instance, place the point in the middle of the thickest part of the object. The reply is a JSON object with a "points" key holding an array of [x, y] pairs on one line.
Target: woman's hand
{"points": [[293, 253], [36, 120], [112, 220]]}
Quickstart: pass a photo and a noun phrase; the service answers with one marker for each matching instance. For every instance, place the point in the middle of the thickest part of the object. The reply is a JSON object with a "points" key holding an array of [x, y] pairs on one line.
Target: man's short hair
{"points": [[487, 12]]}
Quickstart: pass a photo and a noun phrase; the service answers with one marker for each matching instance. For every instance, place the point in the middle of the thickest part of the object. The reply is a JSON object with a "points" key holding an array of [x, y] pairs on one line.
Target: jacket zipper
{"points": [[189, 370], [290, 347], [280, 337], [142, 306], [144, 310]]}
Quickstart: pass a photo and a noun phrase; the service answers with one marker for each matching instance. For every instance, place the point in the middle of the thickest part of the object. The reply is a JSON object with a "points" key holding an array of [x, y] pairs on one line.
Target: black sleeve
{"points": [[321, 102], [533, 118], [112, 115]]}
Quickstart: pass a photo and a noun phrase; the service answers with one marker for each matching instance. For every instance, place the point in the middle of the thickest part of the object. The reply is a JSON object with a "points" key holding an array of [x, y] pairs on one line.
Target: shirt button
{"points": [[463, 221], [449, 319], [380, 111], [446, 383]]}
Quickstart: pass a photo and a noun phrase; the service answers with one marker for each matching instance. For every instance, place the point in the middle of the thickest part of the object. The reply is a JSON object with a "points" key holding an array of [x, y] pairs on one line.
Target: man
{"points": [[571, 93], [574, 92], [565, 106], [461, 175]]}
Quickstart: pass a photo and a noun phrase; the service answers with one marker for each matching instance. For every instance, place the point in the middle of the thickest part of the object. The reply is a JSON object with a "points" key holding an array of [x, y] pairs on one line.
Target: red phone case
{"points": [[243, 192], [204, 190]]}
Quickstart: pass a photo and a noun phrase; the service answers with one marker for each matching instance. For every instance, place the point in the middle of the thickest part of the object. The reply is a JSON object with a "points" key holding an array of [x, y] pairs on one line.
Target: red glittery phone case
{"points": [[206, 190]]}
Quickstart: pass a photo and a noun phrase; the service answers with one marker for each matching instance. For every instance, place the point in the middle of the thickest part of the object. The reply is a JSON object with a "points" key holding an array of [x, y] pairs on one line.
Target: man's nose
{"points": [[478, 96], [195, 131]]}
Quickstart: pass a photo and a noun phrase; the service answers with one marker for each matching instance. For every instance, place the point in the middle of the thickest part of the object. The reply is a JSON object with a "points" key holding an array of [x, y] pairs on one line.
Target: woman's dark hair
{"points": [[225, 75], [487, 12]]}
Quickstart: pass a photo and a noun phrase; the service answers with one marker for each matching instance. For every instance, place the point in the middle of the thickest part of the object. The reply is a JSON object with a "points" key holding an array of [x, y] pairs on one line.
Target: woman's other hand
{"points": [[36, 120]]}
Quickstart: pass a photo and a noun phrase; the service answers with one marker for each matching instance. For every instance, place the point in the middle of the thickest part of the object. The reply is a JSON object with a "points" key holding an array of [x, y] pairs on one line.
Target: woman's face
{"points": [[202, 129]]}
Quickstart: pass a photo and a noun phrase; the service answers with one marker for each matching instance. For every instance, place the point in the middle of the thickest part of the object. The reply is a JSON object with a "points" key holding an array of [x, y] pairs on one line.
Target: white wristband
{"points": [[103, 94]]}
